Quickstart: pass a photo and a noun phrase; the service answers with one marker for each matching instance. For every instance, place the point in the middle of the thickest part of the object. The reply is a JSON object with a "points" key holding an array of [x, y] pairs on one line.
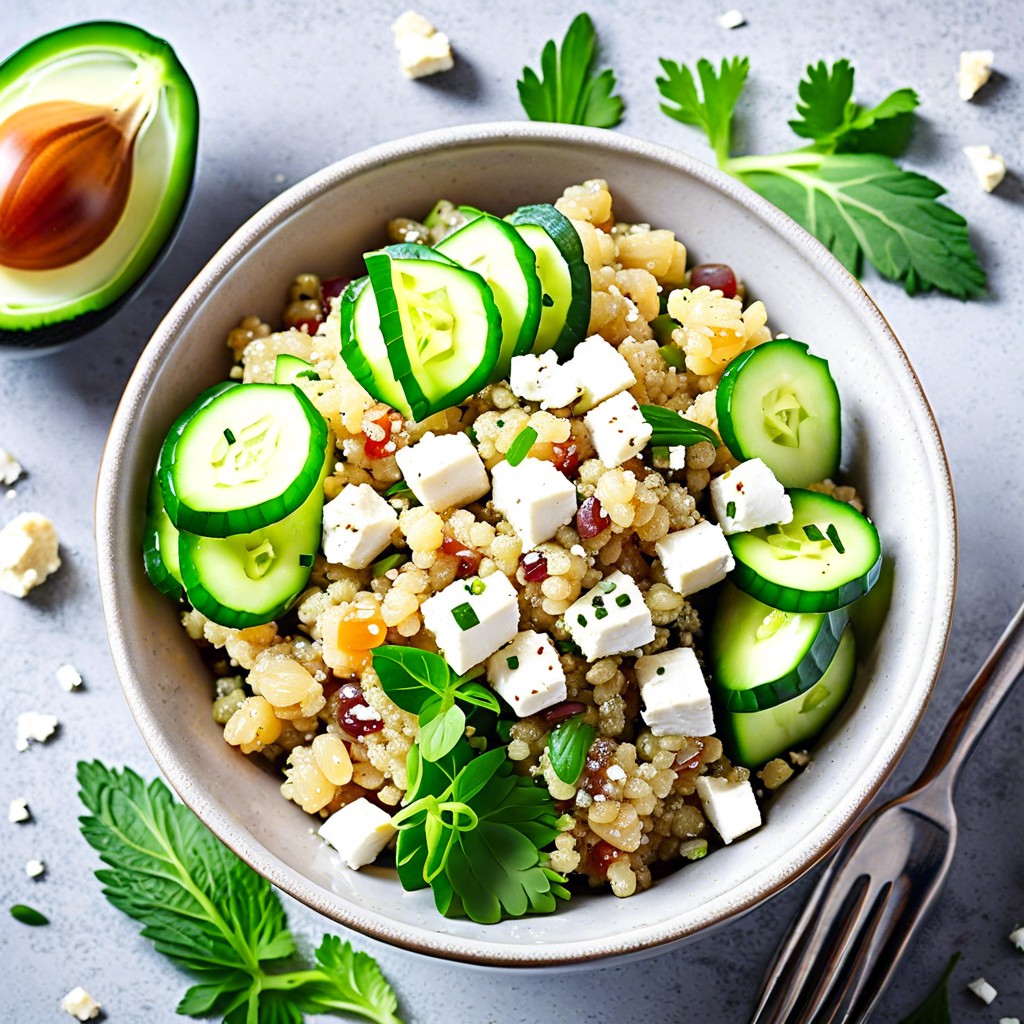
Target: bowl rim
{"points": [[654, 939]]}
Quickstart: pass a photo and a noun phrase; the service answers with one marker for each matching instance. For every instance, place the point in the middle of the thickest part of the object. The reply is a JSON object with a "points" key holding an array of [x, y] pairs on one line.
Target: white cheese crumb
{"points": [[731, 19], [989, 167], [422, 50], [80, 1004], [28, 553], [975, 71], [1017, 937], [18, 810], [11, 494], [69, 678], [34, 868], [33, 725], [615, 773], [10, 468], [1009, 1020], [983, 990]]}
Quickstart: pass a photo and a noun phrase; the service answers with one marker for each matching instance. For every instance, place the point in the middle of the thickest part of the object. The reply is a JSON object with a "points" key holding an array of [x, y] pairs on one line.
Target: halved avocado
{"points": [[104, 79]]}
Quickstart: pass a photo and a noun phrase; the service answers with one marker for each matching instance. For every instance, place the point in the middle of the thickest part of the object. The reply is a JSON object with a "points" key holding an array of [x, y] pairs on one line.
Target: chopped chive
{"points": [[471, 432], [833, 535], [512, 662], [607, 585], [228, 436], [600, 613], [500, 424], [384, 565], [520, 447], [465, 616], [28, 915], [305, 560], [581, 619], [813, 533], [730, 509], [597, 602], [660, 670], [566, 647], [622, 600], [477, 587]]}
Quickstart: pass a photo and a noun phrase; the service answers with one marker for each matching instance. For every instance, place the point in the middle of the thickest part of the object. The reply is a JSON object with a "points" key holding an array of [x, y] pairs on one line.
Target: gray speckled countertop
{"points": [[287, 88]]}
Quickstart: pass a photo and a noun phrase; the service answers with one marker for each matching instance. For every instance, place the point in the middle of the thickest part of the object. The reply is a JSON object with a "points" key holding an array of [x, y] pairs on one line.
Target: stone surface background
{"points": [[288, 88]]}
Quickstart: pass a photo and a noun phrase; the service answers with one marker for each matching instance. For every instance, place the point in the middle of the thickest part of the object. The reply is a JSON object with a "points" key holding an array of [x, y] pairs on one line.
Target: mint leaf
{"points": [[568, 744], [409, 676], [567, 90], [440, 728], [935, 1009], [671, 429]]}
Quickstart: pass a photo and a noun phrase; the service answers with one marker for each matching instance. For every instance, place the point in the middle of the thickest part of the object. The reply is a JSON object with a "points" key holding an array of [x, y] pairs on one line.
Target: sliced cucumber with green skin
{"points": [[752, 738], [826, 558], [289, 369], [241, 458], [440, 326], [761, 657], [160, 545], [779, 403], [494, 250], [564, 277], [249, 579]]}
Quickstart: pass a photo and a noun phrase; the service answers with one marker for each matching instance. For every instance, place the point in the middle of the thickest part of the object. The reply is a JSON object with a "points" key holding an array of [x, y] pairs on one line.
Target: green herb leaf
{"points": [[670, 428], [481, 696], [935, 1009], [567, 90], [568, 744], [520, 446], [210, 913], [388, 562], [401, 490], [440, 728], [28, 915], [410, 676]]}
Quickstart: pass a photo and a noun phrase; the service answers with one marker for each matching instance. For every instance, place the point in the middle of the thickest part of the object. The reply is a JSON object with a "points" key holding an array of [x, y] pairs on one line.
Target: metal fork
{"points": [[842, 951]]}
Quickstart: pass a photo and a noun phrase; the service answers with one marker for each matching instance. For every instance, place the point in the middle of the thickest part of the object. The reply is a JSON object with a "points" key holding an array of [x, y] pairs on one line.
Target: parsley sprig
{"points": [[844, 187], [212, 915], [475, 832], [567, 89]]}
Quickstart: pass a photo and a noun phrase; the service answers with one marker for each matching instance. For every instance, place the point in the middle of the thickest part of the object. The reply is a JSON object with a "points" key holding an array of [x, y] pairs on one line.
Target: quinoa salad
{"points": [[520, 558]]}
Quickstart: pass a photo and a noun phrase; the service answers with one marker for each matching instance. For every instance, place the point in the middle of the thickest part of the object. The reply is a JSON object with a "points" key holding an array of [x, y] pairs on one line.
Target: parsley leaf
{"points": [[568, 744], [211, 914], [845, 189], [567, 90], [935, 1009]]}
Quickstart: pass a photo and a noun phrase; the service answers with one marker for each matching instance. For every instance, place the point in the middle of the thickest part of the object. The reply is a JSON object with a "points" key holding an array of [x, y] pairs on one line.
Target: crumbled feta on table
{"points": [[358, 524], [618, 429], [731, 19], [611, 618], [80, 1004], [695, 558], [10, 468], [527, 674], [1017, 938], [748, 497], [17, 810], [534, 497], [359, 831], [975, 71], [730, 806], [68, 678], [472, 618], [983, 990], [422, 50], [28, 553], [676, 698], [988, 167], [34, 868], [443, 470], [34, 725]]}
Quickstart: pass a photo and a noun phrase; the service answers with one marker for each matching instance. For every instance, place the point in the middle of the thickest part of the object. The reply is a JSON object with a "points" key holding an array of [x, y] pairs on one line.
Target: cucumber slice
{"points": [[564, 277], [779, 403], [160, 545], [826, 558], [289, 369], [440, 327], [752, 738], [253, 578], [240, 458], [495, 251], [761, 657]]}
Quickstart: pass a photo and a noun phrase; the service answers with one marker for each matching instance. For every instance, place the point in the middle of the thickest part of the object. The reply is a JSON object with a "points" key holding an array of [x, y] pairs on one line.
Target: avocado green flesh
{"points": [[96, 63]]}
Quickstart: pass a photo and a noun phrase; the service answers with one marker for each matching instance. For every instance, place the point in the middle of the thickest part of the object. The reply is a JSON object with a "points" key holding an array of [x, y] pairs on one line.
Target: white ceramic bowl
{"points": [[891, 448]]}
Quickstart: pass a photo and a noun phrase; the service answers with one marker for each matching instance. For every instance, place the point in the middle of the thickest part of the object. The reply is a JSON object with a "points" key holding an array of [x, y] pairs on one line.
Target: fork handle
{"points": [[979, 704]]}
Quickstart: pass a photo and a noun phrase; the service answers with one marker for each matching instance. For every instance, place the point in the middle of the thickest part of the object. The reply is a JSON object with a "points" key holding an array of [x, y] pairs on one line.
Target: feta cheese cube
{"points": [[676, 698], [68, 678], [534, 497], [527, 674], [33, 725], [10, 468], [975, 71], [35, 868], [472, 618], [542, 379], [28, 553], [618, 429], [729, 806], [748, 497], [359, 831], [358, 524], [443, 471], [1017, 938], [80, 1004], [983, 990], [599, 371], [731, 19], [17, 810], [695, 558], [988, 167], [610, 619], [422, 50]]}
